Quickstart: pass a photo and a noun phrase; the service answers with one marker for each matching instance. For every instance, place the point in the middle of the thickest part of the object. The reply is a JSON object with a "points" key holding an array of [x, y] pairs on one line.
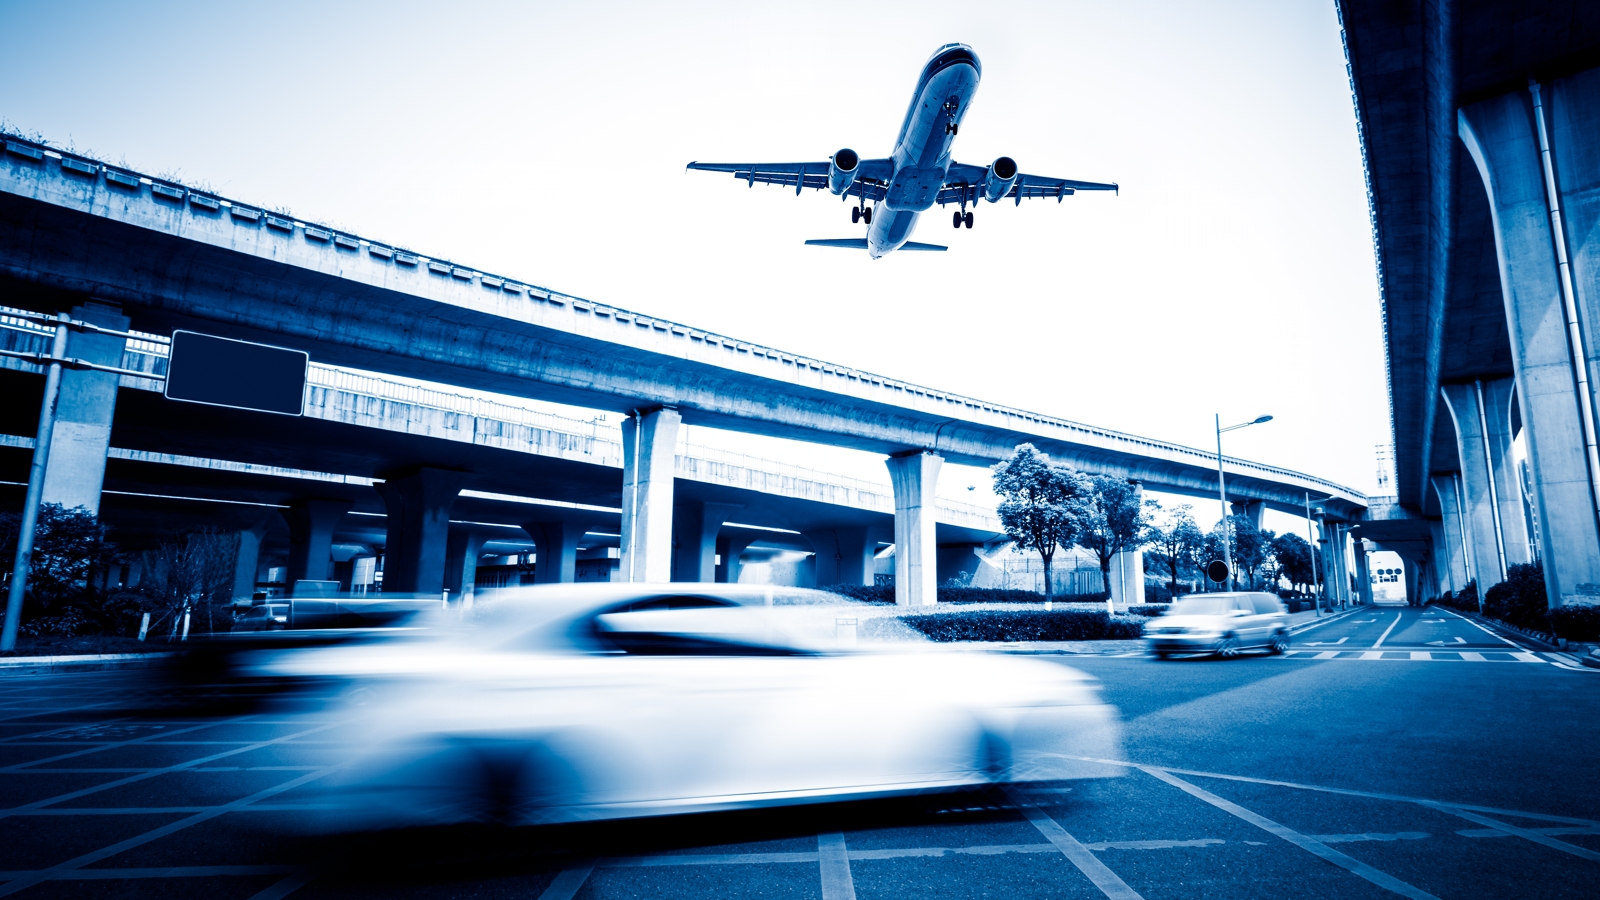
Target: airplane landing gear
{"points": [[855, 214], [960, 218], [968, 220], [951, 128], [865, 214]]}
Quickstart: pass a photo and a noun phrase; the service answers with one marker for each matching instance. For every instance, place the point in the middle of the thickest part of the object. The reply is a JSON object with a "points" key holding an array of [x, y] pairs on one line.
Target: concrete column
{"points": [[844, 555], [462, 549], [695, 525], [1255, 509], [916, 478], [419, 527], [557, 542], [311, 524], [1478, 495], [247, 559], [1453, 562], [648, 443], [1497, 399], [1127, 578], [1363, 574], [730, 548], [82, 432], [1500, 135]]}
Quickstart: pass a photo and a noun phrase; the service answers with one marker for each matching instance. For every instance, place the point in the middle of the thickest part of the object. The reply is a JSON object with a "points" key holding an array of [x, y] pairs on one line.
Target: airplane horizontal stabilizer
{"points": [[913, 245], [852, 243]]}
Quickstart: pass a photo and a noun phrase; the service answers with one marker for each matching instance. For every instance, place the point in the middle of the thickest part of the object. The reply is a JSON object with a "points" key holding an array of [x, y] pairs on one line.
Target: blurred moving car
{"points": [[577, 702], [263, 617], [1222, 624], [347, 611]]}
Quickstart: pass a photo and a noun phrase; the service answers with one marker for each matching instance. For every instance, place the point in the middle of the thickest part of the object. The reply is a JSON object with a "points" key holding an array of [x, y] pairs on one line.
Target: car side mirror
{"points": [[1239, 612]]}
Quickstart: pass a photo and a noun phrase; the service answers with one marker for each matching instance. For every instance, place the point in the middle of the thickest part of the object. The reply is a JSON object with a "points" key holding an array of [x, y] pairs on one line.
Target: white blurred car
{"points": [[567, 703]]}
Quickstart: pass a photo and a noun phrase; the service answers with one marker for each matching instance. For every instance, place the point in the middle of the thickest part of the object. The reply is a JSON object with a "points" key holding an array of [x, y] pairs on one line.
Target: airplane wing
{"points": [[966, 181], [872, 179]]}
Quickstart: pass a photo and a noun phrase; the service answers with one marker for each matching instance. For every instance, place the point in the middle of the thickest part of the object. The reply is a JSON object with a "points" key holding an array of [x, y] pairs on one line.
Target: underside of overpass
{"points": [[1475, 230]]}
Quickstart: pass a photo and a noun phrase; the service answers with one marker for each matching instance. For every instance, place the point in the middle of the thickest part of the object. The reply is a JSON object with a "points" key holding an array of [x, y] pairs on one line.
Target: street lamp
{"points": [[1222, 491]]}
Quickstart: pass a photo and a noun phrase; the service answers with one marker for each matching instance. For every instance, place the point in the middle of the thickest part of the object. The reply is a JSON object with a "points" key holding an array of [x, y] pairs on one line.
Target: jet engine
{"points": [[997, 181], [842, 169]]}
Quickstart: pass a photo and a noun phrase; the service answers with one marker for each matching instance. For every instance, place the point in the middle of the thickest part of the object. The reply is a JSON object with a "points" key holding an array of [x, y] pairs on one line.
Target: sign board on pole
{"points": [[1217, 571], [203, 368]]}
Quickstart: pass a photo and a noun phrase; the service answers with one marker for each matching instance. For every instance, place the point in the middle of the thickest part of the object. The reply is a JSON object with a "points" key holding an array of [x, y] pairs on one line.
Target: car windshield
{"points": [[1202, 606]]}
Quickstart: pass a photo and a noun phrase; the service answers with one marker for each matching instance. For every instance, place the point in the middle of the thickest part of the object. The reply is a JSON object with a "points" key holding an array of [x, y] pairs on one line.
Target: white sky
{"points": [[546, 142]]}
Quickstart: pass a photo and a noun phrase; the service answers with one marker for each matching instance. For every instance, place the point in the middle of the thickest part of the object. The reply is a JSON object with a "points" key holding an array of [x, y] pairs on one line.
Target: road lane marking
{"points": [[568, 881], [1421, 654], [1328, 643], [1372, 795], [1526, 834], [1372, 654], [1353, 838], [1470, 656], [1525, 656], [1458, 639], [1397, 617], [1326, 654], [1332, 617], [1079, 855], [1492, 634], [834, 860], [1315, 847]]}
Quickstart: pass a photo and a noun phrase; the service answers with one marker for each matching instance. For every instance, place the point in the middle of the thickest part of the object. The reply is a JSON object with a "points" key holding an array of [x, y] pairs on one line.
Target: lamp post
{"points": [[1222, 491]]}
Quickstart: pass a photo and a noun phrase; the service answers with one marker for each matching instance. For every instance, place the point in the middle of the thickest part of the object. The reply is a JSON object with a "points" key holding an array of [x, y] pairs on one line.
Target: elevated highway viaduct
{"points": [[1480, 130], [154, 255]]}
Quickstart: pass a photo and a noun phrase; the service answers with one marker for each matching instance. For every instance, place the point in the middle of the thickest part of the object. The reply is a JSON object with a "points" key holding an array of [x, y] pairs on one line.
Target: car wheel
{"points": [[1280, 643], [1162, 654], [1228, 647]]}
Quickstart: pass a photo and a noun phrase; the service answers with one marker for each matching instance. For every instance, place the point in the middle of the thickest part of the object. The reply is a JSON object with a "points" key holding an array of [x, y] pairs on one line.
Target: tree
{"points": [[1292, 555], [193, 573], [1174, 543], [1042, 504], [68, 545], [1118, 520], [1249, 548]]}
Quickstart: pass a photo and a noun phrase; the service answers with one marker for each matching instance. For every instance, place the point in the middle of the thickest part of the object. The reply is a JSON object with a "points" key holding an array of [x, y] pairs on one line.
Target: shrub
{"points": [[868, 593], [1520, 599], [1576, 623], [1149, 610], [1016, 625], [1464, 600], [987, 595]]}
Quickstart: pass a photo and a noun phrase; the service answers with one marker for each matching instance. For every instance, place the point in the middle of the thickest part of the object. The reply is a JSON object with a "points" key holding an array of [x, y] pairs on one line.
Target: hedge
{"points": [[1576, 623], [885, 594], [1015, 625]]}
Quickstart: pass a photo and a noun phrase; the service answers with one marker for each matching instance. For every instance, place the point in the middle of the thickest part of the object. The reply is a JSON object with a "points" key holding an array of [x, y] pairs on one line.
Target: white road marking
{"points": [[1354, 866], [1397, 618], [1079, 855], [1328, 643], [1352, 838], [1525, 656], [566, 884], [1483, 629], [1421, 654], [1326, 654], [834, 859], [1372, 654], [1458, 639], [1469, 656], [1497, 833], [1526, 834]]}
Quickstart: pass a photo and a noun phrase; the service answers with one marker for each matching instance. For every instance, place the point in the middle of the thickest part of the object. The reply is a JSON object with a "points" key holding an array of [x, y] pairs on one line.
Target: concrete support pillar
{"points": [[1456, 564], [1497, 398], [648, 444], [695, 525], [1479, 498], [1127, 578], [247, 559], [462, 549], [557, 543], [82, 433], [1363, 573], [1502, 137], [311, 524], [844, 555], [916, 478], [1255, 509], [730, 548], [418, 505]]}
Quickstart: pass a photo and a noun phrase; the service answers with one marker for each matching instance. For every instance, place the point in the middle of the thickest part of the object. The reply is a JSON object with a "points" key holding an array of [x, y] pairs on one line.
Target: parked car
{"points": [[1221, 624], [263, 617], [577, 702]]}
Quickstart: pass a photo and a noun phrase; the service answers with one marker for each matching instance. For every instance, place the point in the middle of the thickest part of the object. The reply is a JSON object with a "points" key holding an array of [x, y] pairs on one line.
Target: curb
{"points": [[1543, 640], [1592, 659], [54, 665], [1307, 626]]}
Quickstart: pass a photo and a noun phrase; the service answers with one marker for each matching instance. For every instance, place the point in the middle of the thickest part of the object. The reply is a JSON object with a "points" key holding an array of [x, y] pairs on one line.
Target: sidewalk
{"points": [[52, 665]]}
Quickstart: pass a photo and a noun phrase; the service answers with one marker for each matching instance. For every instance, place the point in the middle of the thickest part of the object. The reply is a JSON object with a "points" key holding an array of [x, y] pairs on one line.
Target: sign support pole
{"points": [[36, 473]]}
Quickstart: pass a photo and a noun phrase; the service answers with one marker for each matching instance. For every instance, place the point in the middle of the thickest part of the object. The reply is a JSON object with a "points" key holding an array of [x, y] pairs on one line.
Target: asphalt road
{"points": [[1393, 752]]}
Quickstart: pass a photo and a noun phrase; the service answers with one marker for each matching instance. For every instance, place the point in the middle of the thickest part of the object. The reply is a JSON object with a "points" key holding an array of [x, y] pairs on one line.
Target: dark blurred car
{"points": [[263, 617], [355, 611], [1222, 624]]}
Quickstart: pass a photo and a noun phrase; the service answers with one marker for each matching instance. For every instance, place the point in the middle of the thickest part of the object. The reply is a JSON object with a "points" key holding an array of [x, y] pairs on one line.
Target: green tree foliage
{"points": [[1174, 541], [1292, 555], [1118, 520], [1248, 546], [192, 574], [1042, 504], [1521, 598], [68, 549]]}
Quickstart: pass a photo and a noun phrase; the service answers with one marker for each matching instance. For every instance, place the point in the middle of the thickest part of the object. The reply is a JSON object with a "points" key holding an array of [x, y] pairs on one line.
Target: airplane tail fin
{"points": [[861, 244]]}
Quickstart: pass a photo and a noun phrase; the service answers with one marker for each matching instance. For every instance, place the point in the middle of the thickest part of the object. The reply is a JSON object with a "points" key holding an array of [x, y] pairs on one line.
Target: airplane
{"points": [[920, 173]]}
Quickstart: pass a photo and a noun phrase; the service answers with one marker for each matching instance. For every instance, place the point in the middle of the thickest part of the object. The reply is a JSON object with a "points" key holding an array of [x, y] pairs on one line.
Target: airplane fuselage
{"points": [[922, 151]]}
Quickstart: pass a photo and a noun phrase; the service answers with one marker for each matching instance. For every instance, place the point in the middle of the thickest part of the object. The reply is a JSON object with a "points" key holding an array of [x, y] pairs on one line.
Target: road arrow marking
{"points": [[1454, 640], [1363, 621], [1328, 643]]}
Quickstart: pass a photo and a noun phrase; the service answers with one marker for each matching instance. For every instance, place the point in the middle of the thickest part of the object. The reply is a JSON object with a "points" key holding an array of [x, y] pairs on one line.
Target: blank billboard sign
{"points": [[203, 368]]}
